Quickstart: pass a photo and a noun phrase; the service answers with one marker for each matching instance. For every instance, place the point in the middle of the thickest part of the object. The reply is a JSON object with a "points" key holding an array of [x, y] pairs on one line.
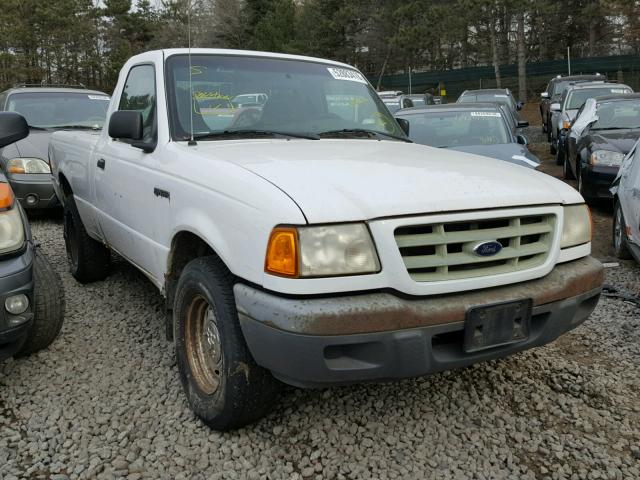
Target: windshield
{"points": [[576, 98], [619, 114], [55, 109], [488, 97], [238, 93], [455, 129]]}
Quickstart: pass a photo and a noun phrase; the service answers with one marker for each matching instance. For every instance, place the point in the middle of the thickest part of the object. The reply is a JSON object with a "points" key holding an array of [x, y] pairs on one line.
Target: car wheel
{"points": [[567, 173], [619, 234], [548, 132], [553, 147], [89, 260], [559, 156], [223, 384], [48, 306]]}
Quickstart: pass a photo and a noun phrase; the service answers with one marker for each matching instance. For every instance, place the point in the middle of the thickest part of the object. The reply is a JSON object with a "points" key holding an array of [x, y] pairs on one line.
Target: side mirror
{"points": [[522, 123], [522, 140], [13, 127], [404, 125], [126, 125], [555, 107], [519, 105], [544, 95]]}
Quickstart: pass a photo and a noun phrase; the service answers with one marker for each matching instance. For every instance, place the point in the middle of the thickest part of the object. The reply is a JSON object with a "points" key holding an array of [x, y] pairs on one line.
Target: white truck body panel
{"points": [[231, 193]]}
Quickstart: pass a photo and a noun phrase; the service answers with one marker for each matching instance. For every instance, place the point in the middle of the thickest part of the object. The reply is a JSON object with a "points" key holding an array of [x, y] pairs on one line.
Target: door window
{"points": [[139, 94]]}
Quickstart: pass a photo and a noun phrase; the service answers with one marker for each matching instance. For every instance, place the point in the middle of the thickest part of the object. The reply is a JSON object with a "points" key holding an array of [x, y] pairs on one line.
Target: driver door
{"points": [[125, 180]]}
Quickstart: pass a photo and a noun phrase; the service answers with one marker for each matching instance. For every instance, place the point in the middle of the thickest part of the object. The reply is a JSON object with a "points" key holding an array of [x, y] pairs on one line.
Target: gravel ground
{"points": [[104, 401]]}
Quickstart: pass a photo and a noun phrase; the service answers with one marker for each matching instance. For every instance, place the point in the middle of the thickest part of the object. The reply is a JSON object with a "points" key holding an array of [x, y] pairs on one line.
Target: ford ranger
{"points": [[307, 240]]}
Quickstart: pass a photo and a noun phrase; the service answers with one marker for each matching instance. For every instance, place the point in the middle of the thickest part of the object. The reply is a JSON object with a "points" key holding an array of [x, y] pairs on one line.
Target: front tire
{"points": [[619, 234], [48, 307], [89, 260], [223, 384], [560, 156], [566, 170]]}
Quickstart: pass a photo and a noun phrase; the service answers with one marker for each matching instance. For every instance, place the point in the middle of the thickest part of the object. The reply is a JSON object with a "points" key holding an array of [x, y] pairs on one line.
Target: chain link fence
{"points": [[623, 68]]}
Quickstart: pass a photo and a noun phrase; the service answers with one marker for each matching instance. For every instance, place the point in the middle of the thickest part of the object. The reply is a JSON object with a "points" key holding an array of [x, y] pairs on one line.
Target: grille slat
{"points": [[424, 239], [444, 251], [426, 261]]}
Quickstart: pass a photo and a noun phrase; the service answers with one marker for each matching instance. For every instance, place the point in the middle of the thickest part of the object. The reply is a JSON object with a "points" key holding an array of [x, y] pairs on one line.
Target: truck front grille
{"points": [[445, 251]]}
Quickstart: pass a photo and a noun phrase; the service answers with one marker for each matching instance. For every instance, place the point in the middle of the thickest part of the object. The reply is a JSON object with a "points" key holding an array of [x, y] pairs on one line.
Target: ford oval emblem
{"points": [[488, 249]]}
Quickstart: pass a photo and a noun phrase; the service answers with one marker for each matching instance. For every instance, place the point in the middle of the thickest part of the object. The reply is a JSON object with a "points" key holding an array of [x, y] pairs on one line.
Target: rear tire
{"points": [[223, 384], [89, 260], [48, 306], [619, 234]]}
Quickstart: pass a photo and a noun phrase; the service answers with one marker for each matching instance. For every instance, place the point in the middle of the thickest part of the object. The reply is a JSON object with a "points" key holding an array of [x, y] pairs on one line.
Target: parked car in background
{"points": [[31, 295], [249, 100], [604, 131], [557, 85], [626, 210], [421, 100], [479, 128], [46, 109], [564, 111], [317, 246], [499, 95], [395, 101]]}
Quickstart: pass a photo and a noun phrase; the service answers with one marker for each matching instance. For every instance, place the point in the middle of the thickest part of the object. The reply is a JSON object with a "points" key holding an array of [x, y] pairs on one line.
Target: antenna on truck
{"points": [[191, 142]]}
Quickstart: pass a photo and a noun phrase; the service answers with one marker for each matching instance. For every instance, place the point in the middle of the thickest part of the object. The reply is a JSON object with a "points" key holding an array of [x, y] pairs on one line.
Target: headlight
{"points": [[28, 165], [606, 158], [11, 227], [576, 229], [322, 251]]}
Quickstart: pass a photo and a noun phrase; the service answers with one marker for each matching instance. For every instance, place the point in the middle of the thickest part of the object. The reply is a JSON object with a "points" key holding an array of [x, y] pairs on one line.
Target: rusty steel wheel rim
{"points": [[204, 350]]}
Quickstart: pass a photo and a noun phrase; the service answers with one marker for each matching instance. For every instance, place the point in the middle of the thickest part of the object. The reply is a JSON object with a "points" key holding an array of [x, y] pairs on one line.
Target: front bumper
{"points": [[597, 180], [34, 190], [16, 277], [316, 342]]}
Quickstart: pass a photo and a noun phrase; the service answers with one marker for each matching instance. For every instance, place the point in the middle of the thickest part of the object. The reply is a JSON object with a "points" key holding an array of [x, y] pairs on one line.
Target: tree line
{"points": [[87, 41]]}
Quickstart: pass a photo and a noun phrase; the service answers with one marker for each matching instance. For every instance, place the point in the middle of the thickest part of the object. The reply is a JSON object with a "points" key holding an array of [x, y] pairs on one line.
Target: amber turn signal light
{"points": [[6, 196], [282, 252]]}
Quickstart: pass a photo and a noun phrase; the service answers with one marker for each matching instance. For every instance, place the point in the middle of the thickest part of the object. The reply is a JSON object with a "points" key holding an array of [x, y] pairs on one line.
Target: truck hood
{"points": [[349, 180]]}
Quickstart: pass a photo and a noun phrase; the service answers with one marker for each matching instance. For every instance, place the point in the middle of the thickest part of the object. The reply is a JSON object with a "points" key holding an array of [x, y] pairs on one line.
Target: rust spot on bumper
{"points": [[378, 312]]}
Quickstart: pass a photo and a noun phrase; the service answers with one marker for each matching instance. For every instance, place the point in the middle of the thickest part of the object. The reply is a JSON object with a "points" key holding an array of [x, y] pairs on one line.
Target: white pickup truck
{"points": [[305, 239]]}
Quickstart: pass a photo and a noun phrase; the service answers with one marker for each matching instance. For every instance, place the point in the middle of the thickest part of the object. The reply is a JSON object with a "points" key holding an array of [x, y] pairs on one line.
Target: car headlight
{"points": [[28, 165], [576, 229], [321, 251], [606, 158], [11, 227]]}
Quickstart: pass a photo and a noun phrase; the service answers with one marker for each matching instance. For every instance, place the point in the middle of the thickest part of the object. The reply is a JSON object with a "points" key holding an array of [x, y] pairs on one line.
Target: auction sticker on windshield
{"points": [[485, 114], [98, 97], [346, 74]]}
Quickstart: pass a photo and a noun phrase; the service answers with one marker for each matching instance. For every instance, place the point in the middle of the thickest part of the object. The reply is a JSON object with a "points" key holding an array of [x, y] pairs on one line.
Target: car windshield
{"points": [[297, 97], [488, 97], [58, 109], [576, 98], [617, 115], [456, 129]]}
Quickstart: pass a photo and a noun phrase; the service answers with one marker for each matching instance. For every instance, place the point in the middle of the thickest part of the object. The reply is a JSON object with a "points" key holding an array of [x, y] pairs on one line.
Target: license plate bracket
{"points": [[496, 325]]}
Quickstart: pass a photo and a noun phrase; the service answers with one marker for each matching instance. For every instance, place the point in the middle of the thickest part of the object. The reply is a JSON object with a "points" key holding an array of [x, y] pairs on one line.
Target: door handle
{"points": [[101, 163]]}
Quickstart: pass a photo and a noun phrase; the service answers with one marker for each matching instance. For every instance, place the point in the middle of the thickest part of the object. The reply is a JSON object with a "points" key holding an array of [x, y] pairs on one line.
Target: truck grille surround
{"points": [[445, 250]]}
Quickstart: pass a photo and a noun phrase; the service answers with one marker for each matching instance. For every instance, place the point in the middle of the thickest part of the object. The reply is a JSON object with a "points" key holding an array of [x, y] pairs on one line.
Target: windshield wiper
{"points": [[616, 128], [254, 133], [360, 132], [33, 127], [76, 127]]}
